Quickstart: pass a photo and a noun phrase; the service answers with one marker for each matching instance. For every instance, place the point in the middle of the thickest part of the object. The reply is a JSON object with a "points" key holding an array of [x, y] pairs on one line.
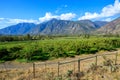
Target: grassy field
{"points": [[48, 49], [104, 70], [52, 49]]}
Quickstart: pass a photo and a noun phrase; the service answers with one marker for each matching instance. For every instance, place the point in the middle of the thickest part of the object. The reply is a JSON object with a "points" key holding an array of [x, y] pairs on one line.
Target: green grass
{"points": [[21, 60], [55, 48], [2, 61]]}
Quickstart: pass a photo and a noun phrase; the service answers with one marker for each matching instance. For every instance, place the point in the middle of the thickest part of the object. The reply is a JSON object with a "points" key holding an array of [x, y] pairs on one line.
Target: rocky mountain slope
{"points": [[18, 29], [53, 27], [112, 27]]}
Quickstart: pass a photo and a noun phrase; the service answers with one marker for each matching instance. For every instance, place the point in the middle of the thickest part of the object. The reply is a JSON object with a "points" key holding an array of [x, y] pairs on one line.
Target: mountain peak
{"points": [[53, 19], [112, 27]]}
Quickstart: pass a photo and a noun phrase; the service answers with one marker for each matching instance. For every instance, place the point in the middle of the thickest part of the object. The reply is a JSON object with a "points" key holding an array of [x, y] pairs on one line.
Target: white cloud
{"points": [[4, 22], [106, 12], [89, 15], [22, 20], [107, 19], [49, 16], [15, 21], [67, 16], [1, 19]]}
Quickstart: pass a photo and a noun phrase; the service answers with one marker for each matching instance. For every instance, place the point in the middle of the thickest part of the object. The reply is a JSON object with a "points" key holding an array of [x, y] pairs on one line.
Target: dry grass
{"points": [[69, 71]]}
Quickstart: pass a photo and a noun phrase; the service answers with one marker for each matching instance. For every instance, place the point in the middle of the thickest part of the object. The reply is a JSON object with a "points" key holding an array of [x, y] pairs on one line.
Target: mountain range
{"points": [[112, 27], [18, 29], [60, 27]]}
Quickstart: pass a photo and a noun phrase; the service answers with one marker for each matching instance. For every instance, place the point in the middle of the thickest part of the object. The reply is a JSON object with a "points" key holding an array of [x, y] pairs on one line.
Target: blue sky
{"points": [[38, 11]]}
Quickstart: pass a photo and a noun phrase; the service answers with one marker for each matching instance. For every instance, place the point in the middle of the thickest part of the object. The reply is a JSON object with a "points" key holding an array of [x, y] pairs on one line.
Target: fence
{"points": [[74, 69]]}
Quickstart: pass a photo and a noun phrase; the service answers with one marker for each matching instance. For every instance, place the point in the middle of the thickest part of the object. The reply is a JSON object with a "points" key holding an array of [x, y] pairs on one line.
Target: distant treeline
{"points": [[9, 38], [23, 37]]}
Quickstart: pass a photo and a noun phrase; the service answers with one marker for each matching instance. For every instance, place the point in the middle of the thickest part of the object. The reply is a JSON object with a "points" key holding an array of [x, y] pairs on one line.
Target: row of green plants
{"points": [[10, 38], [55, 48]]}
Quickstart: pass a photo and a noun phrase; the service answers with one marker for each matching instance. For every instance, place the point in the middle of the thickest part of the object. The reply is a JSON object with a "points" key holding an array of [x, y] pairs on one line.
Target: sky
{"points": [[38, 11]]}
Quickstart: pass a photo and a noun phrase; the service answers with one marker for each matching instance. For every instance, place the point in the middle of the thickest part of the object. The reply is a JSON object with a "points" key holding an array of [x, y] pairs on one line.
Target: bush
{"points": [[41, 56], [15, 48], [71, 53], [93, 50], [3, 53]]}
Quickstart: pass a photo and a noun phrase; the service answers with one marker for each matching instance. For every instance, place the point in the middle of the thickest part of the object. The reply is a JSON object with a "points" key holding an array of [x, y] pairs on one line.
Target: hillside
{"points": [[100, 23], [18, 29], [112, 27], [53, 27]]}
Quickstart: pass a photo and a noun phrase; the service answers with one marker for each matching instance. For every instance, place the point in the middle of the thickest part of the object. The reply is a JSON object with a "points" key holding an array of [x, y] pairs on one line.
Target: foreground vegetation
{"points": [[52, 48], [105, 69]]}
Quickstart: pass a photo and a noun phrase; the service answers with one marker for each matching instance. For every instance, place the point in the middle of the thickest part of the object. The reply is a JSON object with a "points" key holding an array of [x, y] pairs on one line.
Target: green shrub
{"points": [[93, 50], [3, 53], [71, 53], [42, 56], [15, 48]]}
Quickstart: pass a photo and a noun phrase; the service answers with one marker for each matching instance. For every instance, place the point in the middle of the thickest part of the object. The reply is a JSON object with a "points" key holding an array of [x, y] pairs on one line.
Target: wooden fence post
{"points": [[96, 60], [78, 75], [78, 65], [45, 71], [33, 70], [58, 68], [116, 58], [74, 67]]}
